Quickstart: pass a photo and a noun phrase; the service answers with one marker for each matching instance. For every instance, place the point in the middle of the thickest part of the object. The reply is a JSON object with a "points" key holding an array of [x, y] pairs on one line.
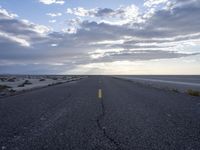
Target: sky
{"points": [[100, 37]]}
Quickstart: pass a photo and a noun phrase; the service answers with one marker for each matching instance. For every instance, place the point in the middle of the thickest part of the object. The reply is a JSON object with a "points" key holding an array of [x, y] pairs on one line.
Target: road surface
{"points": [[100, 113]]}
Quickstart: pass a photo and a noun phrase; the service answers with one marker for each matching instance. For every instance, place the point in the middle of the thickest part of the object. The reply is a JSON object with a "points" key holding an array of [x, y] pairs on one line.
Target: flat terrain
{"points": [[179, 82], [12, 84], [100, 112]]}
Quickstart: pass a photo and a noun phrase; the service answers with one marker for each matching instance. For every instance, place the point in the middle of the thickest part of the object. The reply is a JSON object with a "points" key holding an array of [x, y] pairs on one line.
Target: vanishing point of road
{"points": [[100, 113]]}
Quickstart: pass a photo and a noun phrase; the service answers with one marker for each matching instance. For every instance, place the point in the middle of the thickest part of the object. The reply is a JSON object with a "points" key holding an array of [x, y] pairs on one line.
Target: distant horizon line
{"points": [[100, 74]]}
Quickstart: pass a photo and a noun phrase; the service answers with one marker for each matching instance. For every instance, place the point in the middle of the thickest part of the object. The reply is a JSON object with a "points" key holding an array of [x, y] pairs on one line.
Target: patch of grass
{"points": [[193, 92]]}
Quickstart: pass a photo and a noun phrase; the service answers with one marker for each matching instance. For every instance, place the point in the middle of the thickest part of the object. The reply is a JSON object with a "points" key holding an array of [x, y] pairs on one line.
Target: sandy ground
{"points": [[15, 83], [180, 83]]}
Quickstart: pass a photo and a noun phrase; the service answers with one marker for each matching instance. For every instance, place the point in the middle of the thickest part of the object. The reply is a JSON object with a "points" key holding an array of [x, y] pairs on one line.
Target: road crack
{"points": [[103, 129]]}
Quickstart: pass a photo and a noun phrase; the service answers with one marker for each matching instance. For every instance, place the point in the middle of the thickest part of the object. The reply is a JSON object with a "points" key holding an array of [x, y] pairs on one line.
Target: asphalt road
{"points": [[100, 112]]}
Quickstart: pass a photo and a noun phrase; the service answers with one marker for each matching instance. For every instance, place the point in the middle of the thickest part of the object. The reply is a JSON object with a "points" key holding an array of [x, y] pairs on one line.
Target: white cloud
{"points": [[82, 12], [108, 42], [123, 12], [54, 14], [14, 38], [70, 30], [40, 29], [49, 2], [54, 45], [129, 12], [4, 14], [149, 13], [72, 25], [20, 32], [52, 21], [120, 16], [151, 3]]}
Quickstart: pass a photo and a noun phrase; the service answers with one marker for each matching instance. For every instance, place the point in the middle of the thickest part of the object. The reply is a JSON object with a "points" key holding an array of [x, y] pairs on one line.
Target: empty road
{"points": [[100, 113]]}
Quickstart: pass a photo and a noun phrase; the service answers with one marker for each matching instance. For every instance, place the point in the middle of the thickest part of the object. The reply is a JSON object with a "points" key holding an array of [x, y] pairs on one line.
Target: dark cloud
{"points": [[181, 20], [103, 12]]}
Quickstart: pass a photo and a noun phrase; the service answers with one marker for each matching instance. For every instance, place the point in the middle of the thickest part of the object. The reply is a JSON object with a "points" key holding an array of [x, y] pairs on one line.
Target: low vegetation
{"points": [[12, 91], [4, 87], [175, 90], [54, 78], [42, 79], [3, 79], [11, 80], [193, 92], [26, 82]]}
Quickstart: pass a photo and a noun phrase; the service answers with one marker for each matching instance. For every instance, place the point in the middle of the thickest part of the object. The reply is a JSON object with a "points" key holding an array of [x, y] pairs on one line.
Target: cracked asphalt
{"points": [[128, 116]]}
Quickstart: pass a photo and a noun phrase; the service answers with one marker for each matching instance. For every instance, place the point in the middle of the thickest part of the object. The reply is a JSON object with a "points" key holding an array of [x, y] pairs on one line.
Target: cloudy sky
{"points": [[100, 37]]}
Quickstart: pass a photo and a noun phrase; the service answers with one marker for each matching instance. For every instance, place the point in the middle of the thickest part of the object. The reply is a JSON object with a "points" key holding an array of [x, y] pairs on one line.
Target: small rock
{"points": [[169, 115], [42, 118], [2, 94], [104, 128], [61, 134]]}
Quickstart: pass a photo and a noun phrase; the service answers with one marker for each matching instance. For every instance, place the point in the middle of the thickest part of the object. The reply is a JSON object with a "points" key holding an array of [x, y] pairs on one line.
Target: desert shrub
{"points": [[193, 92], [3, 79], [42, 79], [4, 87], [54, 78], [64, 78], [21, 85], [26, 82], [11, 80], [12, 91], [175, 90], [58, 83]]}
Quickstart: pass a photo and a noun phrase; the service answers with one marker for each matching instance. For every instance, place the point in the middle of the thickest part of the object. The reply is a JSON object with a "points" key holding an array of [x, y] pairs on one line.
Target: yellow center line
{"points": [[100, 94]]}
